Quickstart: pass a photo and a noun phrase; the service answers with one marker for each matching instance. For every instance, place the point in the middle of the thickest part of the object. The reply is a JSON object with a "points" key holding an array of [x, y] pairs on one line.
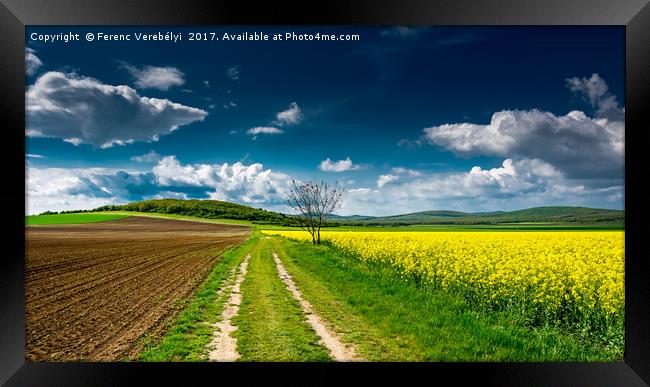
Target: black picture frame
{"points": [[16, 14]]}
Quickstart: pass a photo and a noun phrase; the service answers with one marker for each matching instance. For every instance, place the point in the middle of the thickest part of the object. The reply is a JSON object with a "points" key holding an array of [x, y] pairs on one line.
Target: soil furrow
{"points": [[94, 289]]}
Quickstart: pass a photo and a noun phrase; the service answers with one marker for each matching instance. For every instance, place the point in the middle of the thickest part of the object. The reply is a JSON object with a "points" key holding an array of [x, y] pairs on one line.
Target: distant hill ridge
{"points": [[554, 214], [216, 209]]}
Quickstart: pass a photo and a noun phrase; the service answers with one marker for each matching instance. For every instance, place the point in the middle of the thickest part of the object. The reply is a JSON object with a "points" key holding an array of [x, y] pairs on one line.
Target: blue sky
{"points": [[406, 118]]}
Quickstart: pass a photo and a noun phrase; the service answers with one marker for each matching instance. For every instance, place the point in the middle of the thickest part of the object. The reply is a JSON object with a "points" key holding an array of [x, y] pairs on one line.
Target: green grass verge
{"points": [[189, 334], [271, 324], [34, 220], [390, 319]]}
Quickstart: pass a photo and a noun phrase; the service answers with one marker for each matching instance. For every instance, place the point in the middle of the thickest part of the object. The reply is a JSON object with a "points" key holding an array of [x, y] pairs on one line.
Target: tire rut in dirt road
{"points": [[223, 346], [338, 350]]}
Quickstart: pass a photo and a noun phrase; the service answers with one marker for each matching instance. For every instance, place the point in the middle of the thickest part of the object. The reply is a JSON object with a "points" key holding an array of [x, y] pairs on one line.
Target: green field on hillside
{"points": [[181, 217], [35, 220]]}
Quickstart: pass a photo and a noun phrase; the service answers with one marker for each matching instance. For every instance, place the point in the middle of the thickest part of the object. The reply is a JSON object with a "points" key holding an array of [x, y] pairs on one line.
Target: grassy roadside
{"points": [[189, 334], [271, 324], [391, 319]]}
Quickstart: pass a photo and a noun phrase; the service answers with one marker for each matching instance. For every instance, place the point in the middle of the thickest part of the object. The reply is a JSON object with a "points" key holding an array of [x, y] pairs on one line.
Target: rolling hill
{"points": [[210, 209]]}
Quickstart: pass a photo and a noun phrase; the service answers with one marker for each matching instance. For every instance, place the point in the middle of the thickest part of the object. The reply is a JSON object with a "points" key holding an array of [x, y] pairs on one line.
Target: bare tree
{"points": [[314, 204]]}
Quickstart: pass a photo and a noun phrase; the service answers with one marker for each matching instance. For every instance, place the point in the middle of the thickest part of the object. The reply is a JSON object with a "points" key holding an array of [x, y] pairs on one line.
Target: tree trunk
{"points": [[319, 236]]}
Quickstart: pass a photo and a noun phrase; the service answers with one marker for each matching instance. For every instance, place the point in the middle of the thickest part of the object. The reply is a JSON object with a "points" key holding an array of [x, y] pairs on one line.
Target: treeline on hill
{"points": [[210, 209], [64, 212]]}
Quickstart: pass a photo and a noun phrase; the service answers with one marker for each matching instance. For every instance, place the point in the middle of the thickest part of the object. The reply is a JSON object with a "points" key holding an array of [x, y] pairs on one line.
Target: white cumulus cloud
{"points": [[578, 145], [291, 116], [382, 180], [406, 171], [263, 130], [85, 110], [397, 174], [231, 182], [328, 165], [595, 91], [32, 62], [153, 77], [60, 189], [149, 157]]}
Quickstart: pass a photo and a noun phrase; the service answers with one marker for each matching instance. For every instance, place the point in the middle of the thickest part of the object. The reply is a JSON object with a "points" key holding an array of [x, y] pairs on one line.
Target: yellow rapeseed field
{"points": [[571, 277]]}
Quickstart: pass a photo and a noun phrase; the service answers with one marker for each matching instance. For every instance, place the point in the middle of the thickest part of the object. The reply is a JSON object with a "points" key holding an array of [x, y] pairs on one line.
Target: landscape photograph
{"points": [[324, 193]]}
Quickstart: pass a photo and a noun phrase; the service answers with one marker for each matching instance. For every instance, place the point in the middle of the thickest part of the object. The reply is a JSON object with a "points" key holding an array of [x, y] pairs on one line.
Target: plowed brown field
{"points": [[92, 290]]}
